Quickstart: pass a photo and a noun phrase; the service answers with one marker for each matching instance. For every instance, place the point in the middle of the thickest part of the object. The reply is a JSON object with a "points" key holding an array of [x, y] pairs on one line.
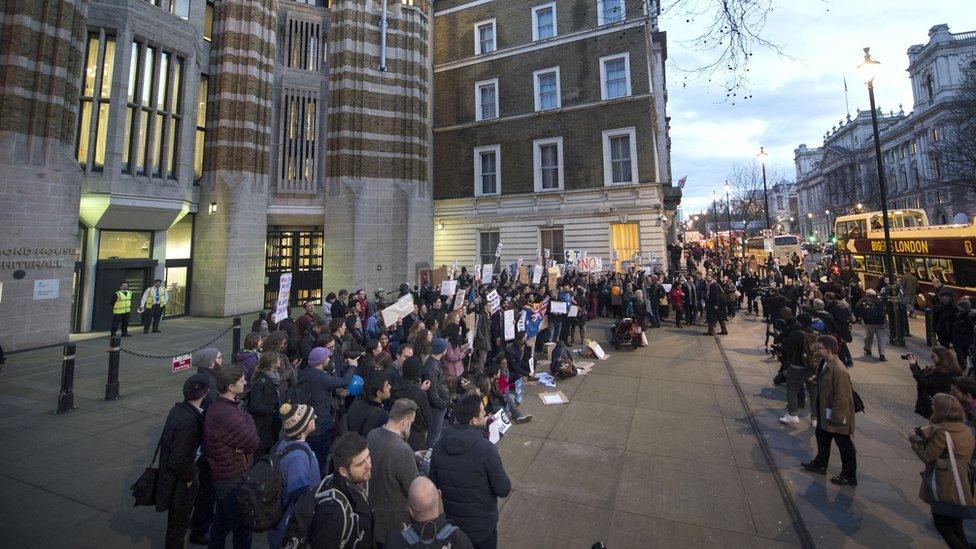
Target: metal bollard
{"points": [[237, 340], [66, 398], [112, 385], [929, 328]]}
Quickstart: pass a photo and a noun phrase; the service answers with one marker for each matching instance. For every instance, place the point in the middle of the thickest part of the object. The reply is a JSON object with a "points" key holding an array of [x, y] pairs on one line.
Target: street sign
{"points": [[767, 233], [181, 363]]}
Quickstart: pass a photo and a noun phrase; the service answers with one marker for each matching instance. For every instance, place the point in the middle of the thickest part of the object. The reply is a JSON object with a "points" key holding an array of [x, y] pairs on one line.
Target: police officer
{"points": [[151, 306], [121, 306]]}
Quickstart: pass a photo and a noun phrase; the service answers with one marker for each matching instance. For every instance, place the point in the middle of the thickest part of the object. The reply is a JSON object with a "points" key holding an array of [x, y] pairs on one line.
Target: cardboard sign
{"points": [[553, 276], [509, 325], [523, 275], [402, 308], [181, 363], [494, 300], [537, 274], [284, 292], [469, 322], [498, 426], [486, 272], [589, 264], [557, 307], [573, 311], [448, 287], [597, 350], [459, 300], [554, 398], [437, 276]]}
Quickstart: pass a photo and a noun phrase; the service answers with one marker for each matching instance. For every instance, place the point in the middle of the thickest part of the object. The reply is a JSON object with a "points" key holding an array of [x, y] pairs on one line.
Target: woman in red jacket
{"points": [[677, 298], [229, 441]]}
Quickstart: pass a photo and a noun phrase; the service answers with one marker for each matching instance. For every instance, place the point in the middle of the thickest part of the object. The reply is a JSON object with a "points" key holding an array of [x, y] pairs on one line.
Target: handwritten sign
{"points": [[448, 287], [494, 301], [537, 274], [284, 292], [486, 272], [558, 307], [509, 325]]}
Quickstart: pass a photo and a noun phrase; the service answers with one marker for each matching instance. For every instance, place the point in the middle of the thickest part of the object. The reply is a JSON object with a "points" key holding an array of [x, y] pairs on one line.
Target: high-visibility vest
{"points": [[123, 302]]}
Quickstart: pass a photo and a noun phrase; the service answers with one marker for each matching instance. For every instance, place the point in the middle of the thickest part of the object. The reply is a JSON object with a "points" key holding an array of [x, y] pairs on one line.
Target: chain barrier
{"points": [[190, 352]]}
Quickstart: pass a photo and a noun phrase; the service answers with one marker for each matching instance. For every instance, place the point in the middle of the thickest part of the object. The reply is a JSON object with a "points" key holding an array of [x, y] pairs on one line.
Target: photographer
{"points": [[935, 379], [930, 443]]}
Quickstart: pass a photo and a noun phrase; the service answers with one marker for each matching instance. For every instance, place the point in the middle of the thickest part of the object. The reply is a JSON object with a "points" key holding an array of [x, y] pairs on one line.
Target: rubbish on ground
{"points": [[552, 399]]}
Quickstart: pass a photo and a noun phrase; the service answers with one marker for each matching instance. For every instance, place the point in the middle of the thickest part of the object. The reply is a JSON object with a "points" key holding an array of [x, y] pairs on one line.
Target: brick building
{"points": [[218, 144], [549, 130]]}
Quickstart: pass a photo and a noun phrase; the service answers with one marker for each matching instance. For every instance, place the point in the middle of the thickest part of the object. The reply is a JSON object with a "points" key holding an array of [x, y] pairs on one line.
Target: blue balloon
{"points": [[355, 386]]}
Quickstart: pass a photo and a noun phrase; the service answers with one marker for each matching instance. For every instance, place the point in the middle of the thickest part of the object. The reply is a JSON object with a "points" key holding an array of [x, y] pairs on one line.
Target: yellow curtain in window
{"points": [[625, 242]]}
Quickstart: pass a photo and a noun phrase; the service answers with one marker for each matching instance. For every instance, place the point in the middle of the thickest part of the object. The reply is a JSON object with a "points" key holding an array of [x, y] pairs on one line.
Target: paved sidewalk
{"points": [[653, 450], [884, 509]]}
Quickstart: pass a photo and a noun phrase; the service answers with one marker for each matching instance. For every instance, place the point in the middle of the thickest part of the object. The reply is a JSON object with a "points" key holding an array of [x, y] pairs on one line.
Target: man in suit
{"points": [[835, 414]]}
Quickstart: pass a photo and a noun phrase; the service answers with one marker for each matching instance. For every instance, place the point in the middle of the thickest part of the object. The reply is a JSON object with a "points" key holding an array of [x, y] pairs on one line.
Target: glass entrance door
{"points": [[176, 278]]}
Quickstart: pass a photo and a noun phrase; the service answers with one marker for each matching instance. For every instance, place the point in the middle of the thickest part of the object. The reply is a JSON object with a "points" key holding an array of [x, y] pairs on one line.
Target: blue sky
{"points": [[797, 98]]}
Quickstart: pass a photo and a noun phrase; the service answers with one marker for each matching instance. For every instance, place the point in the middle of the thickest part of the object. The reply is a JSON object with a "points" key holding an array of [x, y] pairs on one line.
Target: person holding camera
{"points": [[945, 481], [798, 362], [934, 379]]}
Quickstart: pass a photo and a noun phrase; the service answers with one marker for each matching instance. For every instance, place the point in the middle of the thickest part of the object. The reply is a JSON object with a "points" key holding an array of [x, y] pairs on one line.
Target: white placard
{"points": [[573, 311], [498, 426], [667, 288], [448, 287], [486, 272], [459, 300], [454, 268], [509, 325], [477, 271], [494, 300], [537, 274], [402, 308], [284, 292], [557, 307], [521, 321], [47, 288]]}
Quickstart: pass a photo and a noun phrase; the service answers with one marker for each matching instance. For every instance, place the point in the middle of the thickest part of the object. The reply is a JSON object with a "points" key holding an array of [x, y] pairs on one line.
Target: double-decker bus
{"points": [[781, 247], [930, 252]]}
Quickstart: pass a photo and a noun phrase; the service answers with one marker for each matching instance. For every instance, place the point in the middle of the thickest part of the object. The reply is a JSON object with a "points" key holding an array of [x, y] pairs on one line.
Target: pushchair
{"points": [[626, 331]]}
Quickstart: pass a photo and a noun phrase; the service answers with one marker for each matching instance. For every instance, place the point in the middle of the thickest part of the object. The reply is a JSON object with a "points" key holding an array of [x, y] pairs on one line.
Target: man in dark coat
{"points": [[343, 517], [178, 445], [715, 307], [368, 412], [468, 470], [321, 387], [207, 362], [413, 389]]}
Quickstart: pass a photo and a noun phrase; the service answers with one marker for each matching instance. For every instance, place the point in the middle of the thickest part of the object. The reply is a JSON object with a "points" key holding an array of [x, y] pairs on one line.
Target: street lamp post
{"points": [[728, 212], [762, 162], [869, 69], [715, 217]]}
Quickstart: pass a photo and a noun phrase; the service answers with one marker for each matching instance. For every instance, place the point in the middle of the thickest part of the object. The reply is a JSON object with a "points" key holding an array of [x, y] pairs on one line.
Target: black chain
{"points": [[207, 344]]}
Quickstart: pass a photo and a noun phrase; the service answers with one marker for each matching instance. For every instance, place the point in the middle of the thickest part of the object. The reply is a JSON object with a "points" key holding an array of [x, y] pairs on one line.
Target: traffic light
{"points": [[813, 239], [833, 239]]}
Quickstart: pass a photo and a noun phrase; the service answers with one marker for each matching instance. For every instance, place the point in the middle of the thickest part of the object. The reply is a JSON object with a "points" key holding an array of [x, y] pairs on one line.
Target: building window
{"points": [[299, 115], [552, 240], [484, 37], [201, 132], [610, 11], [487, 170], [486, 99], [153, 112], [914, 147], [936, 135], [547, 160], [124, 244], [487, 244], [96, 91], [302, 50], [930, 86], [619, 155], [544, 21], [624, 240], [180, 8], [547, 92], [615, 76], [208, 21]]}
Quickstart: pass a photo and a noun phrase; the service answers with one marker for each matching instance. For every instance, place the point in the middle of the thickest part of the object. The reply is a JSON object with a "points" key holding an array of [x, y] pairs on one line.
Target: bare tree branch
{"points": [[955, 152]]}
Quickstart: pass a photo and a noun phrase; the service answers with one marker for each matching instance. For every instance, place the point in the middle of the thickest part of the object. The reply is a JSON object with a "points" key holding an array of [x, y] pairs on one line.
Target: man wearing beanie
{"points": [[207, 362], [439, 393], [176, 482], [299, 468], [317, 385], [411, 388]]}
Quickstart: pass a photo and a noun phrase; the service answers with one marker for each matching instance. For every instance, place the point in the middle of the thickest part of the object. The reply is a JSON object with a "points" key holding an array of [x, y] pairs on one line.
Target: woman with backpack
{"points": [[262, 401]]}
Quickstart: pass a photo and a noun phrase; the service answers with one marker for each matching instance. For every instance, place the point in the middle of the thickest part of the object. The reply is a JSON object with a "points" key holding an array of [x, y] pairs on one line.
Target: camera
{"points": [[906, 356]]}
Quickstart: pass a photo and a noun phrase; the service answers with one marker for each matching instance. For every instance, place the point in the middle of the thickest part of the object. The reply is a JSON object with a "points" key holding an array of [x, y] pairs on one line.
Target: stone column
{"points": [[379, 212], [41, 60], [229, 247]]}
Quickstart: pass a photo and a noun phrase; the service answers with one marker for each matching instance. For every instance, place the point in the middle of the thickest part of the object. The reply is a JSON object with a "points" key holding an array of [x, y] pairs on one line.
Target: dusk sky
{"points": [[794, 100]]}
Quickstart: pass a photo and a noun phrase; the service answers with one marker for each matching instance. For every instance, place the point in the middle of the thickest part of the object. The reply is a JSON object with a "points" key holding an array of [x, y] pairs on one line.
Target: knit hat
{"points": [[295, 417], [195, 387], [204, 358], [966, 385], [318, 356], [438, 346], [412, 368]]}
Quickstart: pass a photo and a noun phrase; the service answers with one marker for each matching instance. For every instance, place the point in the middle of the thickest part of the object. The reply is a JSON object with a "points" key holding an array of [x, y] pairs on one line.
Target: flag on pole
{"points": [[682, 181]]}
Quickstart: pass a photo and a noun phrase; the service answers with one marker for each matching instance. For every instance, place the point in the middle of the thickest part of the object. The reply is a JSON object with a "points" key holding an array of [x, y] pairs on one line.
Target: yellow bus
{"points": [[930, 252]]}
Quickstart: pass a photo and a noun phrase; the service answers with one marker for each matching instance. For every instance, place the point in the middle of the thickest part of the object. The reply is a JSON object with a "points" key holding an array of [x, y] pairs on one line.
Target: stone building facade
{"points": [[549, 131], [219, 144], [834, 178]]}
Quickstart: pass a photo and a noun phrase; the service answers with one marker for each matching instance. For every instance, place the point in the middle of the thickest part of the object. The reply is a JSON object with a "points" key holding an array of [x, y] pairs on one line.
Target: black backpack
{"points": [[872, 311], [440, 540], [261, 499], [300, 393], [303, 513]]}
